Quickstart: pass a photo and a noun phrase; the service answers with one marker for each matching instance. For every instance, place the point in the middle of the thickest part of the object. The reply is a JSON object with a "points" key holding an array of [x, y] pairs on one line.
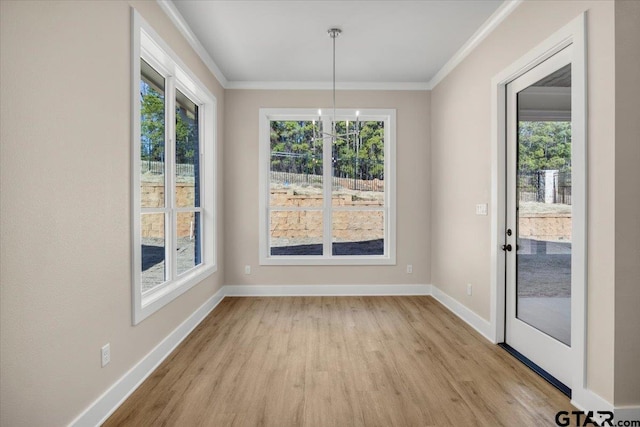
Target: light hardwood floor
{"points": [[339, 361]]}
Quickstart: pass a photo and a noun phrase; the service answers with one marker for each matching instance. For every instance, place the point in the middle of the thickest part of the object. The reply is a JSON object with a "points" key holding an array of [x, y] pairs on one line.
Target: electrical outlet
{"points": [[105, 354], [469, 289], [247, 269], [409, 268]]}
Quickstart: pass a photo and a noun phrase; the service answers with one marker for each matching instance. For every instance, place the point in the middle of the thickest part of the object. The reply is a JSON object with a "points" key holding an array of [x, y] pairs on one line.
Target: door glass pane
{"points": [[189, 249], [358, 232], [153, 271], [152, 178], [544, 205], [187, 152], [296, 164], [296, 232]]}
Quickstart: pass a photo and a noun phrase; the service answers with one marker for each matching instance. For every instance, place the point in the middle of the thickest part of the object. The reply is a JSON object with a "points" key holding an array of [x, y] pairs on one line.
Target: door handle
{"points": [[507, 248]]}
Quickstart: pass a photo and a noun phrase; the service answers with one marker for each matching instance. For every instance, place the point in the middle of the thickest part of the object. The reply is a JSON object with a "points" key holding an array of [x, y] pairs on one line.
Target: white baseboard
{"points": [[627, 413], [476, 322], [324, 290], [586, 400], [105, 405]]}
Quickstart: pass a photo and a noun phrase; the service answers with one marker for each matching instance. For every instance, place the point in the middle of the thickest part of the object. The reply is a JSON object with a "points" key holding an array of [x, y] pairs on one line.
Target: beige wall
{"points": [[627, 334], [241, 187], [461, 167], [65, 206]]}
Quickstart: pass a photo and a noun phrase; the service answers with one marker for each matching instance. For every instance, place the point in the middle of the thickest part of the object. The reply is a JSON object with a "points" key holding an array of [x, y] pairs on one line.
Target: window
{"points": [[327, 200], [173, 175]]}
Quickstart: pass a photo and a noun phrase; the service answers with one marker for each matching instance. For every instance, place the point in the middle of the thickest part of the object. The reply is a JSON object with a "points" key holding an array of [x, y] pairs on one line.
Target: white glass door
{"points": [[539, 230]]}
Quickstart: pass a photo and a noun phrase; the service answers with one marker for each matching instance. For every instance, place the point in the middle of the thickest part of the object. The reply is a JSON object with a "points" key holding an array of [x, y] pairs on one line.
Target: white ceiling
{"points": [[286, 41]]}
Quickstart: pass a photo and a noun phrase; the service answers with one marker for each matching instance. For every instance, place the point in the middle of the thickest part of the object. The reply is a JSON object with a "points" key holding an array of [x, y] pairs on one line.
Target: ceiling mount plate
{"points": [[334, 32]]}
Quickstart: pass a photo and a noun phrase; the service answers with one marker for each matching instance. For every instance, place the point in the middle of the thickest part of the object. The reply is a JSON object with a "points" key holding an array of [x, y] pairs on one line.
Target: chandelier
{"points": [[334, 135]]}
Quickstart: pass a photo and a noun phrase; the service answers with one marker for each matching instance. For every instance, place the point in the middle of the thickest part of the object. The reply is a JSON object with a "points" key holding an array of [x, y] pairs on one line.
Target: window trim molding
{"points": [[389, 116], [179, 76]]}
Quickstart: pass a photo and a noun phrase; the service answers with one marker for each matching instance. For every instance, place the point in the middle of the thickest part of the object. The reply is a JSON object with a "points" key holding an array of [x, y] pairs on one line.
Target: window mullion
{"points": [[327, 155], [170, 174]]}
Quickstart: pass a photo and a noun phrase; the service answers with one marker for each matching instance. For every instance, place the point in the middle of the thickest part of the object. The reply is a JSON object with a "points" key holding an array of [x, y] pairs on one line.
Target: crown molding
{"points": [[327, 85], [170, 9], [487, 28]]}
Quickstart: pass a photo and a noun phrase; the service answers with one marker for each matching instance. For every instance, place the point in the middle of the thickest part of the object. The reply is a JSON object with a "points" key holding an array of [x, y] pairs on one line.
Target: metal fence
{"points": [[288, 178], [157, 168], [532, 187], [355, 174]]}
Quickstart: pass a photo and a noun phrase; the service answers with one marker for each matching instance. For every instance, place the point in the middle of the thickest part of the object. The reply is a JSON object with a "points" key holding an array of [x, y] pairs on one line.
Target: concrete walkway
{"points": [[544, 287]]}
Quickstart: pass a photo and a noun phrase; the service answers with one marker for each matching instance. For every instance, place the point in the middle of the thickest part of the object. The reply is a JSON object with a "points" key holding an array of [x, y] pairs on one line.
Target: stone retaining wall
{"points": [[152, 196], [545, 226], [347, 225]]}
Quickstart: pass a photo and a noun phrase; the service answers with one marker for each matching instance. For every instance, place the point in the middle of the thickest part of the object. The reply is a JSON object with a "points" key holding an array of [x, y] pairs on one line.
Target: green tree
{"points": [[186, 134], [371, 152], [297, 147], [544, 146], [151, 122]]}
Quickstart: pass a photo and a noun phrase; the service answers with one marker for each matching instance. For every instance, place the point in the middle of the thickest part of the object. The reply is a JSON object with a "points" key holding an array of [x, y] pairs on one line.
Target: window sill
{"points": [[335, 260], [154, 301]]}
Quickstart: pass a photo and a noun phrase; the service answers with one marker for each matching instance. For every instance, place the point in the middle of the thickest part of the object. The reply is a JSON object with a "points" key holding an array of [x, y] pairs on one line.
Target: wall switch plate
{"points": [[469, 289], [409, 268], [481, 209], [105, 354], [247, 269]]}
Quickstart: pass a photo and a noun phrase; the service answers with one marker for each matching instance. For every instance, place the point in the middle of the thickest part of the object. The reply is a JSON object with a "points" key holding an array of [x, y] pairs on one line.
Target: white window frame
{"points": [[388, 116], [147, 45]]}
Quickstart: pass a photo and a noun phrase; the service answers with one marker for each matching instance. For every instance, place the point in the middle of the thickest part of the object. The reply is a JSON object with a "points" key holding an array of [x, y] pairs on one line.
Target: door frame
{"points": [[574, 33]]}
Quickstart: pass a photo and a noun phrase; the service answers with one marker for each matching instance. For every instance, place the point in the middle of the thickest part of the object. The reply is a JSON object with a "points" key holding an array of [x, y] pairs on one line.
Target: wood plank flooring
{"points": [[339, 361]]}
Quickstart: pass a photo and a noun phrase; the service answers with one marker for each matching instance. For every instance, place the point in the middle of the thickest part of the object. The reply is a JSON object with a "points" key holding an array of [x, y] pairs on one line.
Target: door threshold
{"points": [[537, 369]]}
